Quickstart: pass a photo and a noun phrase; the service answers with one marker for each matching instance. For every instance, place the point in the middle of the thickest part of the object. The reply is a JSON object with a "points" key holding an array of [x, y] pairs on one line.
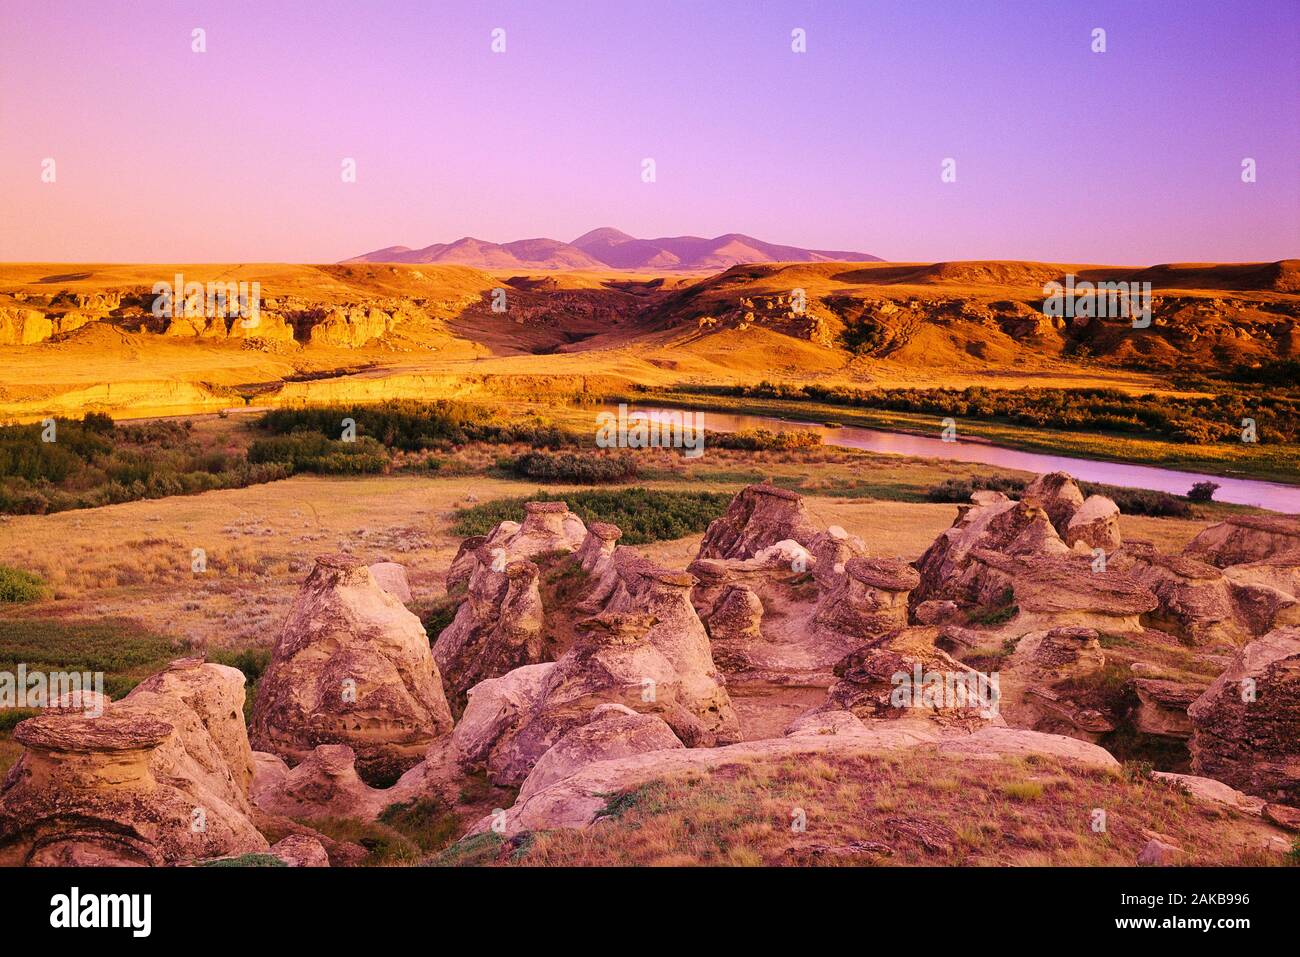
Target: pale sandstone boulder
{"points": [[352, 667], [1247, 538], [1058, 495], [614, 731], [992, 523], [1211, 791], [216, 694], [1158, 853], [1095, 525], [759, 516], [993, 743], [391, 577], [616, 662], [495, 706], [1246, 726], [143, 783], [324, 785]]}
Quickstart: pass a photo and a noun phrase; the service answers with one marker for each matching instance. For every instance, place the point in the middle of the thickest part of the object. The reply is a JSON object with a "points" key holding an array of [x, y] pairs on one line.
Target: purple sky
{"points": [[1132, 156]]}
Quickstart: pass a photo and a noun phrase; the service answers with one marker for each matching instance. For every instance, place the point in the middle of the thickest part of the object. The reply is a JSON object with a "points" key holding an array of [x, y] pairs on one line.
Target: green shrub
{"points": [[17, 585], [589, 467], [413, 426], [763, 440], [644, 515]]}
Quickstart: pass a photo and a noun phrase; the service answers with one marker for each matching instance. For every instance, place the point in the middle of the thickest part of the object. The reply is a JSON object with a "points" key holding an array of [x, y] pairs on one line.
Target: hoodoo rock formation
{"points": [[760, 516], [994, 524], [145, 782], [498, 626], [353, 667]]}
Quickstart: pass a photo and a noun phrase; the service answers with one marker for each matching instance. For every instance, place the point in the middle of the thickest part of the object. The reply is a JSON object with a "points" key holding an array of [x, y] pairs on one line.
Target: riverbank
{"points": [[1279, 463]]}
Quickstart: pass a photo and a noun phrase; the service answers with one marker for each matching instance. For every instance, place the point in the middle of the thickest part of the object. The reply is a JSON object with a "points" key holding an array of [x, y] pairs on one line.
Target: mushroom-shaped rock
{"points": [[121, 789], [353, 667], [1197, 601], [870, 599]]}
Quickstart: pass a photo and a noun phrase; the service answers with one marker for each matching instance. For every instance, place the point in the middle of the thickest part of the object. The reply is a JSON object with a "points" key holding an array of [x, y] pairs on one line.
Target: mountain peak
{"points": [[608, 248]]}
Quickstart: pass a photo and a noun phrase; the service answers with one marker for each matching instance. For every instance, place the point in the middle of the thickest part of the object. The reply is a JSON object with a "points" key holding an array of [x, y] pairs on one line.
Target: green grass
{"points": [[247, 860], [17, 586], [123, 650], [644, 515]]}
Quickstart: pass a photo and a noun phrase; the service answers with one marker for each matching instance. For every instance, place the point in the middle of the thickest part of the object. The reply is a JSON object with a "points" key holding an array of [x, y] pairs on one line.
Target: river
{"points": [[1271, 495]]}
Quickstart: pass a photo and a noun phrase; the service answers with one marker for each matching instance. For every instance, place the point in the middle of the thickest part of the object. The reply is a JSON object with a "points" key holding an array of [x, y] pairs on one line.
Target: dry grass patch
{"points": [[921, 809]]}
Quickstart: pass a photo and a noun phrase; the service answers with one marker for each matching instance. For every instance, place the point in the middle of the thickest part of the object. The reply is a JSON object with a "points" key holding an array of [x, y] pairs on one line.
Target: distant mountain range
{"points": [[608, 248]]}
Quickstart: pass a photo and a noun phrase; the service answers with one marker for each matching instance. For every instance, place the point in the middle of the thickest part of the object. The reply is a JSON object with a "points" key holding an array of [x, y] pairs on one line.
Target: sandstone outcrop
{"points": [[23, 327], [1052, 593], [904, 675], [391, 577], [614, 731], [1201, 602], [577, 801], [499, 625], [991, 523], [353, 667], [216, 694], [760, 516], [1247, 538], [1246, 726], [617, 662], [1162, 707], [324, 785], [1095, 525], [675, 630], [1058, 495], [142, 783]]}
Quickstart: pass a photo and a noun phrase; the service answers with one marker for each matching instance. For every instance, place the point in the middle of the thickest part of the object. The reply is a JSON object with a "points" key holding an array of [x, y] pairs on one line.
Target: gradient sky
{"points": [[1130, 157]]}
